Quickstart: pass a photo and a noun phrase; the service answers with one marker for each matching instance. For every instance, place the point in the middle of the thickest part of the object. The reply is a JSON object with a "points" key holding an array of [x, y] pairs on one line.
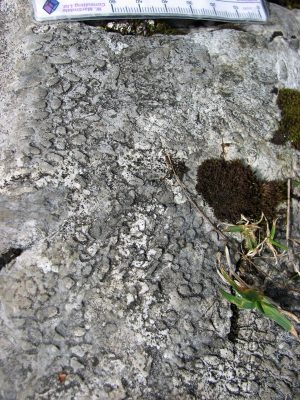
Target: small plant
{"points": [[253, 243], [269, 240], [257, 236], [246, 297], [248, 232]]}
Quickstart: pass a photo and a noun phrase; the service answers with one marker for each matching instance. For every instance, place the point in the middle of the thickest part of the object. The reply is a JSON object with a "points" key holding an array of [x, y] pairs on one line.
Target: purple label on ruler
{"points": [[50, 6]]}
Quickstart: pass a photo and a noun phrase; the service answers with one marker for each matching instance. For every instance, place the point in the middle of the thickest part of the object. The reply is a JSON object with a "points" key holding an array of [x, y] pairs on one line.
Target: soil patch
{"points": [[232, 188]]}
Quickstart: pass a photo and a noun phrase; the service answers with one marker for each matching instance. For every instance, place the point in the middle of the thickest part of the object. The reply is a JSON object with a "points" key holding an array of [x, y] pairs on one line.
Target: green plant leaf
{"points": [[259, 307], [273, 313], [263, 307], [273, 231], [228, 279], [251, 295], [238, 301], [277, 244], [235, 228]]}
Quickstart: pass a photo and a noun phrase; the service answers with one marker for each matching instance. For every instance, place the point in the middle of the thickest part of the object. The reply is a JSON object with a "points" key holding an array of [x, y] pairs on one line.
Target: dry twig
{"points": [[193, 203]]}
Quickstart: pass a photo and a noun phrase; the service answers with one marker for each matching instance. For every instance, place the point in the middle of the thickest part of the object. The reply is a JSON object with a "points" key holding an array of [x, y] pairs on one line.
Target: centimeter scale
{"points": [[225, 10]]}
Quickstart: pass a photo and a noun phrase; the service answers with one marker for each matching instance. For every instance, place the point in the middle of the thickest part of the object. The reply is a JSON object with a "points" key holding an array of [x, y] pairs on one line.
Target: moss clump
{"points": [[163, 28], [272, 194], [231, 189], [140, 27], [288, 101]]}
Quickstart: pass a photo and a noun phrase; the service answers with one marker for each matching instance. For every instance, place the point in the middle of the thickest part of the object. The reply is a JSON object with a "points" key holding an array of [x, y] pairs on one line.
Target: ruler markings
{"points": [[259, 12], [186, 11], [238, 10]]}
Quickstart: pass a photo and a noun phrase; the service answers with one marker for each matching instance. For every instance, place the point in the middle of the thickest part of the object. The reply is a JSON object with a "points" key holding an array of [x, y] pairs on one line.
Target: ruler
{"points": [[225, 10]]}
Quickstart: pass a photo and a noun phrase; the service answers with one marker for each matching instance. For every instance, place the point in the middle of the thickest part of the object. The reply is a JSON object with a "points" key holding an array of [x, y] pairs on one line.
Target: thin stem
{"points": [[192, 201], [288, 213]]}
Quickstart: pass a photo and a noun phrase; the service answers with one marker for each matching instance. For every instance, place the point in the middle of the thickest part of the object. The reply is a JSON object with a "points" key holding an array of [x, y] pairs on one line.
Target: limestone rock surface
{"points": [[108, 273]]}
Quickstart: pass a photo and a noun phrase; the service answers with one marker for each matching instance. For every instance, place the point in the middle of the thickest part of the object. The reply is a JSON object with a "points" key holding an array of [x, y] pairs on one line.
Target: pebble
{"points": [[59, 60], [48, 312], [79, 331]]}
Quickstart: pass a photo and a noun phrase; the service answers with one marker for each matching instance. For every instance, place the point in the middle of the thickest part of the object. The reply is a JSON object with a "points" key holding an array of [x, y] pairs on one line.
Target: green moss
{"points": [[289, 128], [161, 27], [140, 27]]}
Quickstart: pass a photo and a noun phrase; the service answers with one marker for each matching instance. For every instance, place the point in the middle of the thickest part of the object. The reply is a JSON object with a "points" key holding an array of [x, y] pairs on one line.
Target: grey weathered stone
{"points": [[116, 283]]}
